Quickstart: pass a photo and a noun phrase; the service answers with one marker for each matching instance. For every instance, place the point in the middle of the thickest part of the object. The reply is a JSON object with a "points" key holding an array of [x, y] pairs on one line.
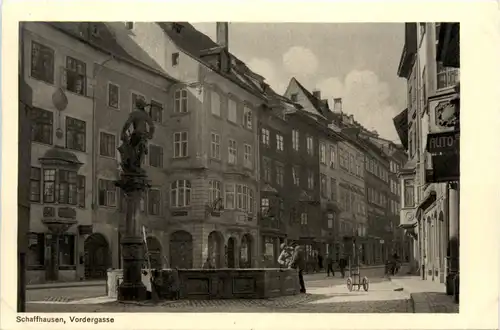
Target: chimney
{"points": [[223, 34], [317, 94], [223, 42], [337, 105]]}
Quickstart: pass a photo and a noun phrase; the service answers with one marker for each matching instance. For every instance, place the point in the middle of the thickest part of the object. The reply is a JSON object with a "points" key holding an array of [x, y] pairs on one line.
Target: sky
{"points": [[355, 61]]}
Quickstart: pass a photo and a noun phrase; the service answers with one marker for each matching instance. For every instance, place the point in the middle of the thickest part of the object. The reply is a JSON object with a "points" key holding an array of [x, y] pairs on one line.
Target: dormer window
{"points": [[293, 97], [129, 25], [94, 30], [177, 27], [175, 59]]}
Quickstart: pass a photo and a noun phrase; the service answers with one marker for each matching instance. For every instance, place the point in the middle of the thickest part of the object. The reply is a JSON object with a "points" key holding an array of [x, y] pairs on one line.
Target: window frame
{"points": [[155, 104], [322, 153], [181, 101], [108, 183], [187, 190], [101, 135], [38, 179], [215, 146], [181, 143], [44, 185], [230, 109], [84, 132], [68, 70], [45, 120], [108, 99], [33, 74], [280, 142], [265, 136], [218, 113], [150, 201], [159, 157], [248, 156], [232, 151], [247, 117], [296, 139]]}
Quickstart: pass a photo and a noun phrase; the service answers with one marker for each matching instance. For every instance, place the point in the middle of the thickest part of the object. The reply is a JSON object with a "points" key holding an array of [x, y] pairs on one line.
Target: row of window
{"points": [[74, 74], [377, 198], [395, 188], [42, 129], [232, 151], [351, 201], [375, 168], [395, 207], [280, 146], [351, 163], [232, 110], [57, 186], [394, 167], [330, 193], [331, 161], [236, 196], [37, 245]]}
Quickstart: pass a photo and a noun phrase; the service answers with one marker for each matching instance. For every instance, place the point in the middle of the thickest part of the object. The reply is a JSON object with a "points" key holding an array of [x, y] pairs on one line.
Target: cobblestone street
{"points": [[325, 295]]}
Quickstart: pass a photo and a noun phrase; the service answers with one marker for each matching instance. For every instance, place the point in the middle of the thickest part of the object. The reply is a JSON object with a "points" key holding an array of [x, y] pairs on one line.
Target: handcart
{"points": [[354, 279]]}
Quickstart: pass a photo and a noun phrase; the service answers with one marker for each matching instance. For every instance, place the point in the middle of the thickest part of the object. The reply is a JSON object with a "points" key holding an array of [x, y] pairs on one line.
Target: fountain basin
{"points": [[224, 283]]}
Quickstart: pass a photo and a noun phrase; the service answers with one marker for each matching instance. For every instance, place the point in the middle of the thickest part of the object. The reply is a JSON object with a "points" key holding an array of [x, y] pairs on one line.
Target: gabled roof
{"points": [[103, 41], [194, 43], [322, 110]]}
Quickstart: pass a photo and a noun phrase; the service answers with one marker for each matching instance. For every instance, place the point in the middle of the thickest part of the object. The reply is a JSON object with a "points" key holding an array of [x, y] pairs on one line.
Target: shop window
{"points": [[67, 250], [36, 249]]}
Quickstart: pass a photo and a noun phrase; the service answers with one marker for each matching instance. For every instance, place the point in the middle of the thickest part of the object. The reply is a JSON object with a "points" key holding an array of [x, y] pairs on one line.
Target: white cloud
{"points": [[364, 96], [266, 68], [300, 61]]}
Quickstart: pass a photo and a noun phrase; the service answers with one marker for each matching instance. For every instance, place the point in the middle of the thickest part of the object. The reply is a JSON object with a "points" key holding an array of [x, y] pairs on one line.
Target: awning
{"points": [[424, 205], [401, 125]]}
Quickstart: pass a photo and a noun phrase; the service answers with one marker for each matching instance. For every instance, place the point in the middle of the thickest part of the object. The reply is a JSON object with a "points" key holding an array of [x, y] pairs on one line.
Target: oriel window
{"points": [[67, 187], [49, 184]]}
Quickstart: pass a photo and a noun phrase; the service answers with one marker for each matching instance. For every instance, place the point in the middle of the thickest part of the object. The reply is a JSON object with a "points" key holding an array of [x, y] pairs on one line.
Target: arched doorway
{"points": [[215, 253], [181, 250], [96, 256], [155, 255], [246, 251], [231, 247]]}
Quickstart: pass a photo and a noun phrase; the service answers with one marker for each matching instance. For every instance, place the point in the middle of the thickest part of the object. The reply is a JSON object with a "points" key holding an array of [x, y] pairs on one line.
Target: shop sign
{"points": [[445, 168], [443, 142]]}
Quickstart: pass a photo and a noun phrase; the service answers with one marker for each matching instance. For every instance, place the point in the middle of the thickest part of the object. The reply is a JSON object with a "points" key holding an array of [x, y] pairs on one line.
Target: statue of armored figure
{"points": [[134, 145]]}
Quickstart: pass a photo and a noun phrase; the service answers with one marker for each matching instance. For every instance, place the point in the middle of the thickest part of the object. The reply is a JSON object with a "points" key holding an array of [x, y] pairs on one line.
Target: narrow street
{"points": [[324, 295]]}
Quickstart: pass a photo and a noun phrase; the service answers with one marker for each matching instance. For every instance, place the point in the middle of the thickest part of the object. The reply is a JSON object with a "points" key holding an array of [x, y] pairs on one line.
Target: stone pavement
{"points": [[325, 295], [426, 296]]}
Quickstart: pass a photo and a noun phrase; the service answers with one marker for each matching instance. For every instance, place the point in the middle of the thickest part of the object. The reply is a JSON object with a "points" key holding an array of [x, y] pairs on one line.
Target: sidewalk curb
{"points": [[63, 285], [411, 301]]}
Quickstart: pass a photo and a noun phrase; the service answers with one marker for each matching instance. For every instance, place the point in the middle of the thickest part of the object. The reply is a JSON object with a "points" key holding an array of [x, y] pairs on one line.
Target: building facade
{"points": [[429, 197], [212, 178], [276, 180], [380, 226]]}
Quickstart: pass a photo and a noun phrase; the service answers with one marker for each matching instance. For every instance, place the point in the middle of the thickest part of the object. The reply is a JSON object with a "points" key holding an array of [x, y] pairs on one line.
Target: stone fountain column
{"points": [[133, 185]]}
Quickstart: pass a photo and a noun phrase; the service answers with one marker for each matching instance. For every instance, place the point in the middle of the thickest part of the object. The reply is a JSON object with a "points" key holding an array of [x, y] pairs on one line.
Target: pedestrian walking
{"points": [[298, 262], [320, 261], [329, 265], [342, 265]]}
